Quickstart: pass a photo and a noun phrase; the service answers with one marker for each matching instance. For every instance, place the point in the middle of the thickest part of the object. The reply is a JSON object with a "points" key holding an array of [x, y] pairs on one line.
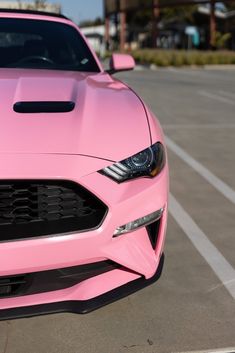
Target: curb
{"points": [[154, 67]]}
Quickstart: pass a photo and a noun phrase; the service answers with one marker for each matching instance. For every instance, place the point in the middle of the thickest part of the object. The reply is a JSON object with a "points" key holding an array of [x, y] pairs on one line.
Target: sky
{"points": [[80, 10]]}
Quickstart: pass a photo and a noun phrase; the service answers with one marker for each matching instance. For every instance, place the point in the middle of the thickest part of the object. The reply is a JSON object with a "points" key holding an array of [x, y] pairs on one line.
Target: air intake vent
{"points": [[52, 280], [39, 208], [44, 107], [11, 285], [153, 232]]}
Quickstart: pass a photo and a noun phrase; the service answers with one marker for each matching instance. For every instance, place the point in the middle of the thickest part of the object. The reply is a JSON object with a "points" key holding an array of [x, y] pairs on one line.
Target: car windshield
{"points": [[38, 44]]}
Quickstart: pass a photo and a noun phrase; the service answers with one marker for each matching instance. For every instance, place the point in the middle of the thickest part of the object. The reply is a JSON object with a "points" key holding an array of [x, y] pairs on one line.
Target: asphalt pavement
{"points": [[192, 307]]}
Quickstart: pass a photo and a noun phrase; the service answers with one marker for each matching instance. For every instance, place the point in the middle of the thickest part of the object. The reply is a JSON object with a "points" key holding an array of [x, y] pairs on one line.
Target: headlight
{"points": [[147, 163]]}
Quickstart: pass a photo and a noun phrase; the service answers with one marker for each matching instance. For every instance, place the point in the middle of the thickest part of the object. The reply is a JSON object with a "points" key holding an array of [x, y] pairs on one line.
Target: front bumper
{"points": [[83, 306], [139, 263]]}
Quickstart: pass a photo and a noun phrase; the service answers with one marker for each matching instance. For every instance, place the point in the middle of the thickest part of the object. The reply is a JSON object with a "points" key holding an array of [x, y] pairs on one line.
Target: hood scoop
{"points": [[44, 107]]}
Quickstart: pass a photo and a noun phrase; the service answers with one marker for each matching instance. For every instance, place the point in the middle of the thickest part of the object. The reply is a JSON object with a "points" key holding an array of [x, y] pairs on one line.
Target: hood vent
{"points": [[44, 107]]}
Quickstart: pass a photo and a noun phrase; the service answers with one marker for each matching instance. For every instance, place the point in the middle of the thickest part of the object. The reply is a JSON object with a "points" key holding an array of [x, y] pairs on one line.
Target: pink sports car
{"points": [[84, 174]]}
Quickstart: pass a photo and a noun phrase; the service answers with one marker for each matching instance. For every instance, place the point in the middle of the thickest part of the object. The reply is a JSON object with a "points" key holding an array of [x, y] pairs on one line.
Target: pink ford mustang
{"points": [[83, 178]]}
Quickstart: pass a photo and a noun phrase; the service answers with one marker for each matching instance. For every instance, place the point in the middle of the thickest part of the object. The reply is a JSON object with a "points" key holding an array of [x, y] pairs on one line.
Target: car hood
{"points": [[108, 121]]}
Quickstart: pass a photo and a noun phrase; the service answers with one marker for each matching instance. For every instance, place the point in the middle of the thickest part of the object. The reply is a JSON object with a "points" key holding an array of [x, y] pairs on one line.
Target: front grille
{"points": [[40, 208], [52, 280]]}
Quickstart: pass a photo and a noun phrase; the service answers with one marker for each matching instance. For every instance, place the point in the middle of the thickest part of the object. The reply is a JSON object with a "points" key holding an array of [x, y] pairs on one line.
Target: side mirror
{"points": [[121, 62]]}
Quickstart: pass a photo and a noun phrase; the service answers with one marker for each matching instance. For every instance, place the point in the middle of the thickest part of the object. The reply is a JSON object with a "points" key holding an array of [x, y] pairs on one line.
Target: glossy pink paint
{"points": [[109, 123], [96, 129], [122, 62]]}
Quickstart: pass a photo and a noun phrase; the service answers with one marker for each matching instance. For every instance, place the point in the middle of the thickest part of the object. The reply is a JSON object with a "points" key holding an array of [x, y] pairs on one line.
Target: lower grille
{"points": [[39, 208], [11, 285], [47, 281]]}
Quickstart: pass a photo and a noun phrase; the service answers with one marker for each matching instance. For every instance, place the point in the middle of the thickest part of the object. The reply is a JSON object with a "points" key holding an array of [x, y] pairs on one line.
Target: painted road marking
{"points": [[224, 271], [181, 71], [228, 94], [199, 73], [198, 126], [216, 97], [140, 68], [218, 184], [226, 350]]}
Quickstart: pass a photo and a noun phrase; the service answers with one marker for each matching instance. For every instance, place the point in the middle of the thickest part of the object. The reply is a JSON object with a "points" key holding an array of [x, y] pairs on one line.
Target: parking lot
{"points": [[192, 307]]}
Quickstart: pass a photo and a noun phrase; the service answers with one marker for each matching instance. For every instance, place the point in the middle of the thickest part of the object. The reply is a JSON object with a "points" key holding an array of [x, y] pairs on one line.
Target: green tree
{"points": [[181, 13], [140, 19], [90, 23], [221, 40]]}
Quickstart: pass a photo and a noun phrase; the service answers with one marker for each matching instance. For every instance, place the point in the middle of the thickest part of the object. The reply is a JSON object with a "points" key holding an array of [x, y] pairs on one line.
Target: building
{"points": [[96, 36], [212, 23], [26, 5]]}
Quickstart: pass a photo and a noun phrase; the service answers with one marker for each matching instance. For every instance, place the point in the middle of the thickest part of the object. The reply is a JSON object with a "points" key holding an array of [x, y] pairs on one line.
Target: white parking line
{"points": [[140, 68], [224, 271], [198, 126], [216, 97], [226, 350], [192, 72], [218, 184], [228, 94]]}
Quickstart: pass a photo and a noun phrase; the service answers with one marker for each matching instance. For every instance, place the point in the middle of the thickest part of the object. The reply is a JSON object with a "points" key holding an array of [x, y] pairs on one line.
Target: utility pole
{"points": [[107, 31], [107, 24], [122, 25], [155, 19], [212, 25]]}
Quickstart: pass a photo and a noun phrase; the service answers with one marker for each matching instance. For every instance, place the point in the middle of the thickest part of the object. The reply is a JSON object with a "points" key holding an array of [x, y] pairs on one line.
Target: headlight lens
{"points": [[147, 163]]}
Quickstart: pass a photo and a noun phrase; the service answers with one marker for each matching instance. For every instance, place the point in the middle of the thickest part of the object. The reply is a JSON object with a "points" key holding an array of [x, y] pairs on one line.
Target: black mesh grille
{"points": [[39, 208]]}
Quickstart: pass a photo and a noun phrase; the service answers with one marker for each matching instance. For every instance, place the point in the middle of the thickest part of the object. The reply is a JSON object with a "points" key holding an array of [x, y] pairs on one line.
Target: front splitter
{"points": [[85, 306]]}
